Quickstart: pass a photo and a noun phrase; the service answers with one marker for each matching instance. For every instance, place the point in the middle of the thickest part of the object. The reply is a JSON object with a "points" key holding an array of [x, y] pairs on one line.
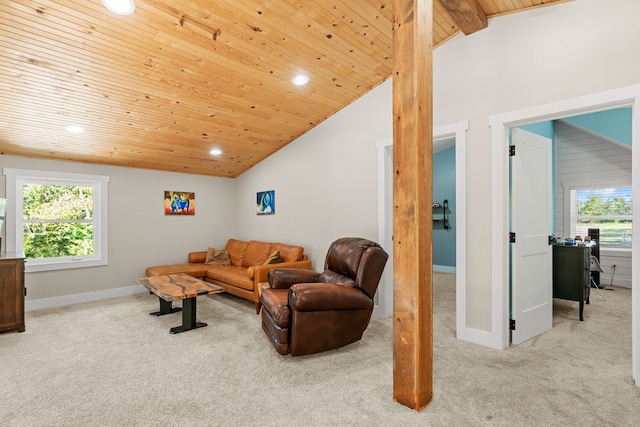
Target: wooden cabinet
{"points": [[12, 291], [571, 278]]}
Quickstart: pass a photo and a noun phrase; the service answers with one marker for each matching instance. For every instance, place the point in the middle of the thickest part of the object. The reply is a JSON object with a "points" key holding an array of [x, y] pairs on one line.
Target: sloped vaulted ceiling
{"points": [[158, 89]]}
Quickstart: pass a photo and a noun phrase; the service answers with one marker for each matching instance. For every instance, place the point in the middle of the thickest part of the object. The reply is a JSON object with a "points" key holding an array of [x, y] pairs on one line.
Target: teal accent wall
{"points": [[546, 129], [614, 124], [444, 187]]}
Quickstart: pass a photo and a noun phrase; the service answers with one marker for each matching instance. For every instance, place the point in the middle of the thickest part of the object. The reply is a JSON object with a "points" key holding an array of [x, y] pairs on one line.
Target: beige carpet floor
{"points": [[111, 364]]}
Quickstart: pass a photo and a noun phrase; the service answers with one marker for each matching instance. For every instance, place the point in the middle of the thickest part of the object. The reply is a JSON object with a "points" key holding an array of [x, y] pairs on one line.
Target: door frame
{"points": [[384, 307], [623, 97]]}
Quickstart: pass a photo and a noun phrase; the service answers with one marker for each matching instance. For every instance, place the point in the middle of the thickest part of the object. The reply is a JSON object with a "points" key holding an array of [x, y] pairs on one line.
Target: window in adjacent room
{"points": [[60, 219], [609, 209]]}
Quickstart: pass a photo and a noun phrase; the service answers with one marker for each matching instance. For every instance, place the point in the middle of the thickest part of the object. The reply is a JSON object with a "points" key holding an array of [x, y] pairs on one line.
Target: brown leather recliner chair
{"points": [[305, 312]]}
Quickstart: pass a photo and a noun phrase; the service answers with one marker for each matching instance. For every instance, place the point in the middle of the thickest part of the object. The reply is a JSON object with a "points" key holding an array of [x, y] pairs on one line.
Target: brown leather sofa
{"points": [[308, 312], [247, 267]]}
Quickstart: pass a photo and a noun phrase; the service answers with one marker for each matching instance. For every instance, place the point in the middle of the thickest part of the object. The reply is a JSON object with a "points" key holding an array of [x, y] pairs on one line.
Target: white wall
{"points": [[325, 181], [140, 235], [519, 61]]}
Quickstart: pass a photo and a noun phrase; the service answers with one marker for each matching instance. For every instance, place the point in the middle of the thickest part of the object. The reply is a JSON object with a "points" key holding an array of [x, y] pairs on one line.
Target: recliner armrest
{"points": [[283, 278], [261, 272], [327, 296]]}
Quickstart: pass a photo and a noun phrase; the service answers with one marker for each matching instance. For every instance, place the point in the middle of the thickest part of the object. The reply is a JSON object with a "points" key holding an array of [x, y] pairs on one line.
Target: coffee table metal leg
{"points": [[165, 308], [188, 317]]}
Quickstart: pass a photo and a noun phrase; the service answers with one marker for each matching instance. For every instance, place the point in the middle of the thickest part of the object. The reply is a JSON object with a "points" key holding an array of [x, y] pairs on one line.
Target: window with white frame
{"points": [[59, 220], [608, 209]]}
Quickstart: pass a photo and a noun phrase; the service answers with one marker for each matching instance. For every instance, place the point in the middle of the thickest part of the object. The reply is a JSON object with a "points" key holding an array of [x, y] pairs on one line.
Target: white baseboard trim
{"points": [[39, 304], [444, 269]]}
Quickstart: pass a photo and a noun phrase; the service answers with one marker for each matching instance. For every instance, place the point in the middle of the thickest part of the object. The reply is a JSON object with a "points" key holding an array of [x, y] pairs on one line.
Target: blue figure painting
{"points": [[266, 202], [179, 203]]}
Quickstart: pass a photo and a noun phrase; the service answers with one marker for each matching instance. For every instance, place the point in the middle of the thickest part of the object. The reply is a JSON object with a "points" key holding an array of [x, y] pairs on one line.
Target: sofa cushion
{"points": [[274, 258], [218, 257], [232, 275], [288, 253], [256, 254], [236, 250]]}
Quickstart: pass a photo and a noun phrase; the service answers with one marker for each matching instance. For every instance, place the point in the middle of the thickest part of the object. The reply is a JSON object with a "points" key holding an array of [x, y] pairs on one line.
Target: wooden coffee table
{"points": [[174, 287]]}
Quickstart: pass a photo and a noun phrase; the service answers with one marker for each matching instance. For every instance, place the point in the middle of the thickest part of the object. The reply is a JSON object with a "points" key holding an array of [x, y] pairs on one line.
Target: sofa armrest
{"points": [[261, 272], [200, 256], [327, 296], [283, 278]]}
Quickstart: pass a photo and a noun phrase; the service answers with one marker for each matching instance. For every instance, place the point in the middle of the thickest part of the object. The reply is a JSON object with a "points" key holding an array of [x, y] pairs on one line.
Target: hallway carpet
{"points": [[109, 363]]}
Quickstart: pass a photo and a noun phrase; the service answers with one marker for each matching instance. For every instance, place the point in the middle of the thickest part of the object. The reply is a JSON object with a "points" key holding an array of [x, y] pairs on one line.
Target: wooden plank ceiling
{"points": [[158, 89]]}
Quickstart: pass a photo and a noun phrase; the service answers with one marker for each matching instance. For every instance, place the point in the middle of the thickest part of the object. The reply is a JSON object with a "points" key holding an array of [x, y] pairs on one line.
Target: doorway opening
{"points": [[589, 183], [500, 124]]}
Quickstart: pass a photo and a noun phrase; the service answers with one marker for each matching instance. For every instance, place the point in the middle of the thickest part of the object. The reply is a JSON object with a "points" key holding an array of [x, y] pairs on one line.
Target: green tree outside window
{"points": [[58, 220], [610, 210]]}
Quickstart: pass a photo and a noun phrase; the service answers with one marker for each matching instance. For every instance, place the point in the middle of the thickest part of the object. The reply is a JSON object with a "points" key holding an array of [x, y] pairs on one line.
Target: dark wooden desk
{"points": [[571, 275]]}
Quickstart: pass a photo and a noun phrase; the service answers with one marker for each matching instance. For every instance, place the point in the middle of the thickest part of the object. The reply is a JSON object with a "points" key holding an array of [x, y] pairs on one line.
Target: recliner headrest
{"points": [[345, 254]]}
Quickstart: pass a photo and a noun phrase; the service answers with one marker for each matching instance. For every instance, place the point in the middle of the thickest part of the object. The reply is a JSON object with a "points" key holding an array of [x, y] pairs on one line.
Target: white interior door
{"points": [[531, 273]]}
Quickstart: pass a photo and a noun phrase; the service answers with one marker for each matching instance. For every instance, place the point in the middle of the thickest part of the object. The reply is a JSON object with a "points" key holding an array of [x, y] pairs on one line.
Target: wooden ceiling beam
{"points": [[467, 14]]}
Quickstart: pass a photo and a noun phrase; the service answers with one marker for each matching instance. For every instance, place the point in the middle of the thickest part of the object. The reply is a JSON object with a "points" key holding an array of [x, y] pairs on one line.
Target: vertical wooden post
{"points": [[412, 201]]}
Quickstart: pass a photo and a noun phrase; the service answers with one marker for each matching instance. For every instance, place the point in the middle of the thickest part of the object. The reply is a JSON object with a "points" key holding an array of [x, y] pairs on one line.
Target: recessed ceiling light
{"points": [[74, 129], [300, 79], [120, 7], [215, 151]]}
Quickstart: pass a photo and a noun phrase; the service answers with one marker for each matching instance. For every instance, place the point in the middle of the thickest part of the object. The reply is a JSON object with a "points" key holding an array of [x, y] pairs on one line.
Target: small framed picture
{"points": [[266, 202], [179, 203]]}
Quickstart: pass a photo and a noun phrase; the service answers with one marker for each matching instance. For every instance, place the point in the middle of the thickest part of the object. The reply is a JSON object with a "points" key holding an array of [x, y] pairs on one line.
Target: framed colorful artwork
{"points": [[266, 202], [179, 203]]}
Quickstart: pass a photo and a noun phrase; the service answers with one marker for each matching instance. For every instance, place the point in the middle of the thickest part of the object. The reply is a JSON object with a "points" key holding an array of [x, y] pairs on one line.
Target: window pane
{"points": [[609, 209], [51, 240], [611, 231], [49, 201], [604, 201]]}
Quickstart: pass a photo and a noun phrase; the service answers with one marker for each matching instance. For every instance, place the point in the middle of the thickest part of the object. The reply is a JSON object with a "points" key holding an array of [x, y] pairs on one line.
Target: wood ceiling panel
{"points": [[159, 88], [444, 27]]}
